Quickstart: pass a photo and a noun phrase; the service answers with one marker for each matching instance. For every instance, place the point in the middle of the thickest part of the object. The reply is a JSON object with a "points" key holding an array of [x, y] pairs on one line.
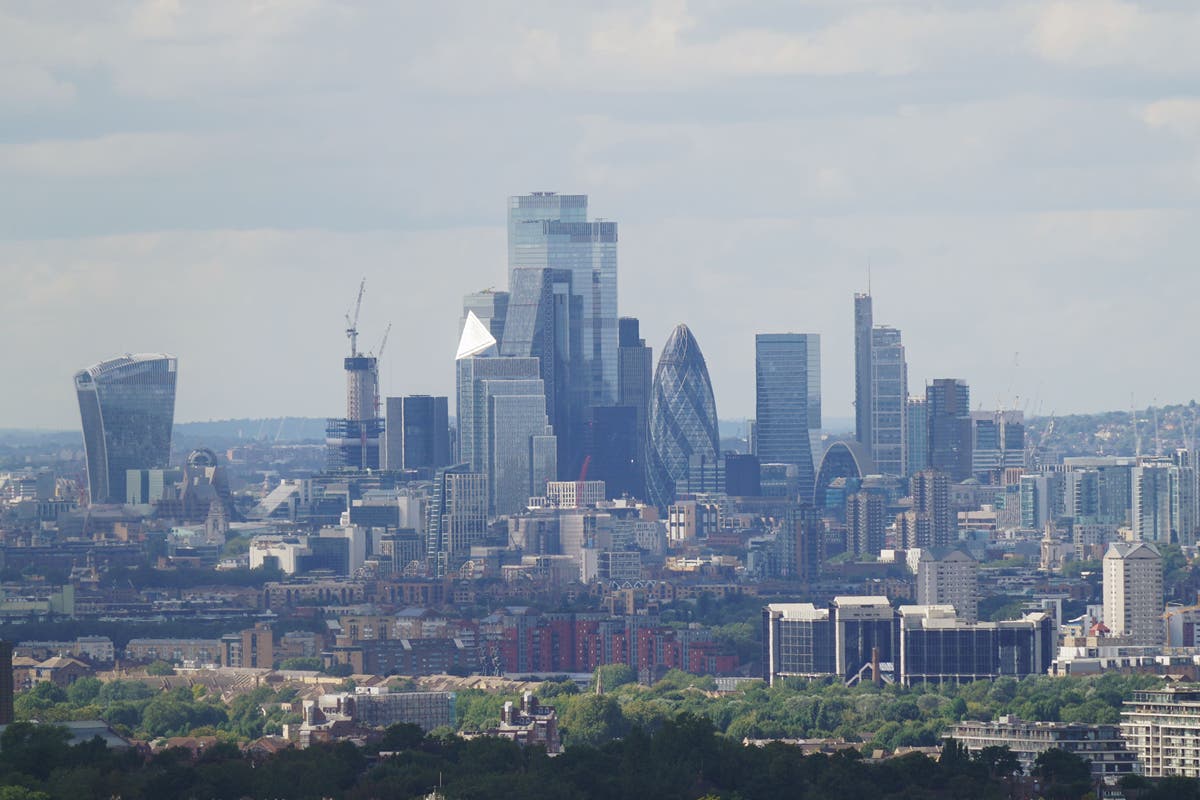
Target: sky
{"points": [[213, 178]]}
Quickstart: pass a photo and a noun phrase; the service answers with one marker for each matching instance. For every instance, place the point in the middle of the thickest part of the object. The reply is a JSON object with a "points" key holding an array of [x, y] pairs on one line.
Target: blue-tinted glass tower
{"points": [[788, 393], [550, 230], [127, 407], [683, 417]]}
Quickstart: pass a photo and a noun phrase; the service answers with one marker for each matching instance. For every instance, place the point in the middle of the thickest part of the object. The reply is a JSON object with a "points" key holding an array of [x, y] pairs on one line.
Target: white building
{"points": [[946, 576], [1133, 592]]}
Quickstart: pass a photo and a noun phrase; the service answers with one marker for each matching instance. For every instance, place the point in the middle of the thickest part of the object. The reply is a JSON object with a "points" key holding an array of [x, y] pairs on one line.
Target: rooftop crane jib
{"points": [[352, 322]]}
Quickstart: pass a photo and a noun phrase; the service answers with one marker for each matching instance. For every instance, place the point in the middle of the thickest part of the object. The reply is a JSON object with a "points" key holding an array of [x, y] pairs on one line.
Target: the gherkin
{"points": [[683, 417]]}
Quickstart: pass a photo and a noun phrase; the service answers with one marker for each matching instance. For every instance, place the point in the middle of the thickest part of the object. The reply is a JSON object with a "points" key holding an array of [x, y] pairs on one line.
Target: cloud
{"points": [[1179, 115], [1111, 33], [105, 156]]}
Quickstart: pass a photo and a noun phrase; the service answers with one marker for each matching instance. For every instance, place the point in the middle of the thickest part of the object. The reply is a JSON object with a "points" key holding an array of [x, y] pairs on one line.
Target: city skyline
{"points": [[942, 148]]}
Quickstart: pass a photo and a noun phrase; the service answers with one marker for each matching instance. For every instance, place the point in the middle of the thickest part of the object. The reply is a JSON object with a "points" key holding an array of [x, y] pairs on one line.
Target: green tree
{"points": [[159, 668], [592, 720]]}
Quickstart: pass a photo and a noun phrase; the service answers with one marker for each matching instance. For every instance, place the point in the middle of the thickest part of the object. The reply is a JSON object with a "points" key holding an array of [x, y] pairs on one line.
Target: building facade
{"points": [[127, 408], [683, 417], [948, 409], [787, 370], [1133, 592], [417, 432]]}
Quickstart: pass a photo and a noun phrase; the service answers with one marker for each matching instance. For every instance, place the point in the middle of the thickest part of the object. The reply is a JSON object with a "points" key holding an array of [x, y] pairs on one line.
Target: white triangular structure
{"points": [[476, 338]]}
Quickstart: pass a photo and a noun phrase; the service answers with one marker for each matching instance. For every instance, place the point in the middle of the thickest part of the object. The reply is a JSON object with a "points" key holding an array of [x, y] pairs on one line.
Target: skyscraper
{"points": [[456, 518], [417, 432], [635, 367], [127, 407], [490, 307], [1133, 592], [948, 406], [787, 384], [550, 230], [683, 416], [863, 407], [543, 322], [917, 433], [889, 401], [931, 522]]}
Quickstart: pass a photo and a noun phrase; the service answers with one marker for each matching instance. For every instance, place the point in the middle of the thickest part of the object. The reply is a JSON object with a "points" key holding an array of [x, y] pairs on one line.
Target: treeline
{"points": [[884, 717], [685, 759]]}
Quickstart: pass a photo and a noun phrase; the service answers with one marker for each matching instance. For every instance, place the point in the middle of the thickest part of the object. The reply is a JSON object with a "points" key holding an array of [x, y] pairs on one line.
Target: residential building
{"points": [[1133, 592], [1162, 727], [1100, 745], [946, 576]]}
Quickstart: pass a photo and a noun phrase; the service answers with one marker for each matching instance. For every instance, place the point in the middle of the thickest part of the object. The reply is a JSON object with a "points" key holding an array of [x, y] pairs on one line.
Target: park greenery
{"points": [[683, 759]]}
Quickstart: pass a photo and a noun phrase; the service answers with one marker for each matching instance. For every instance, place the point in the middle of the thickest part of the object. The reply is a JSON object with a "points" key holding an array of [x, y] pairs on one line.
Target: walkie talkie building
{"points": [[127, 407], [683, 417]]}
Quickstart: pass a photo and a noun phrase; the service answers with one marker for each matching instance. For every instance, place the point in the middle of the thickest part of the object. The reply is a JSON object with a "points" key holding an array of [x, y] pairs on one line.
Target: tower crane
{"points": [[352, 323]]}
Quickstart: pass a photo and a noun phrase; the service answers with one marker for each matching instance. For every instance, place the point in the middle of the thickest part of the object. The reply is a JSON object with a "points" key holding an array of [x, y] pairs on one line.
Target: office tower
{"points": [[490, 307], [613, 450], [504, 432], [543, 322], [787, 391], [917, 436], [1081, 493], [1185, 498], [866, 524], [743, 475], [683, 417], [127, 407], [997, 443], [1151, 502], [889, 401], [947, 576], [845, 460], [523, 447], [863, 405], [634, 378], [1133, 592], [931, 522], [457, 517], [417, 432], [471, 407], [948, 406], [1035, 492], [550, 230]]}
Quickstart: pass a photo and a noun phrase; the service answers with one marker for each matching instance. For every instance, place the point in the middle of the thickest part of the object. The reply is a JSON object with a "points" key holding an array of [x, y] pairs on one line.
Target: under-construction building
{"points": [[353, 442]]}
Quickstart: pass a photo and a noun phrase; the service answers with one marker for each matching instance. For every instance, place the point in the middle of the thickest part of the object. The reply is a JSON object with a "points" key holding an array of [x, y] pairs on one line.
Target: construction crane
{"points": [[383, 342], [352, 322]]}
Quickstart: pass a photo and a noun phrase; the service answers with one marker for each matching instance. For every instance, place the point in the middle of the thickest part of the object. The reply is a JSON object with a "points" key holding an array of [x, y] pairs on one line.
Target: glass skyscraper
{"points": [[546, 229], [127, 407], [543, 322], [417, 432], [948, 408], [787, 370], [683, 417]]}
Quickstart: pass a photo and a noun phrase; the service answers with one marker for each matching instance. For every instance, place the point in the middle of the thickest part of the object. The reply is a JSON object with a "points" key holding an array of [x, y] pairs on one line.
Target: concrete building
{"points": [[1162, 727], [1100, 745], [946, 576], [1133, 592]]}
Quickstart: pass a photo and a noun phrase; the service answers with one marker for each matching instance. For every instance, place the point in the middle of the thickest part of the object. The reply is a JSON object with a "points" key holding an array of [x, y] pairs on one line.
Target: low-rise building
{"points": [[1101, 745]]}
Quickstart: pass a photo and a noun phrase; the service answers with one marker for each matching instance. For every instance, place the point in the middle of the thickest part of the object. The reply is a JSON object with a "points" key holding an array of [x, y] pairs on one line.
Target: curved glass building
{"points": [[846, 459], [127, 407], [683, 417]]}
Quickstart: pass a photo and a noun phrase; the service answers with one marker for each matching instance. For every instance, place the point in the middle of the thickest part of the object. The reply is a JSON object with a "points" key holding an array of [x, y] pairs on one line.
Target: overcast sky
{"points": [[212, 179]]}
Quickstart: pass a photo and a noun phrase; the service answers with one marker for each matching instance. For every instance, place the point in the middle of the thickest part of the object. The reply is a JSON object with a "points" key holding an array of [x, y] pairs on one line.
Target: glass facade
{"points": [[417, 432], [683, 416], [948, 406], [788, 386], [472, 405], [543, 322], [127, 407], [847, 460], [889, 401], [552, 230], [519, 465]]}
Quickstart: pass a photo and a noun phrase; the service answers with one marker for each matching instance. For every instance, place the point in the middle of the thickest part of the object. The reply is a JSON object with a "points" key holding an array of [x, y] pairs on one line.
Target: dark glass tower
{"points": [[417, 432], [787, 382], [635, 377], [948, 409], [127, 406], [683, 417]]}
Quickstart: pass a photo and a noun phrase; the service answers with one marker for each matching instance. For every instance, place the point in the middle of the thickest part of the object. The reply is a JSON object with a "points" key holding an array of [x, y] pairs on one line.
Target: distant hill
{"points": [[282, 429]]}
